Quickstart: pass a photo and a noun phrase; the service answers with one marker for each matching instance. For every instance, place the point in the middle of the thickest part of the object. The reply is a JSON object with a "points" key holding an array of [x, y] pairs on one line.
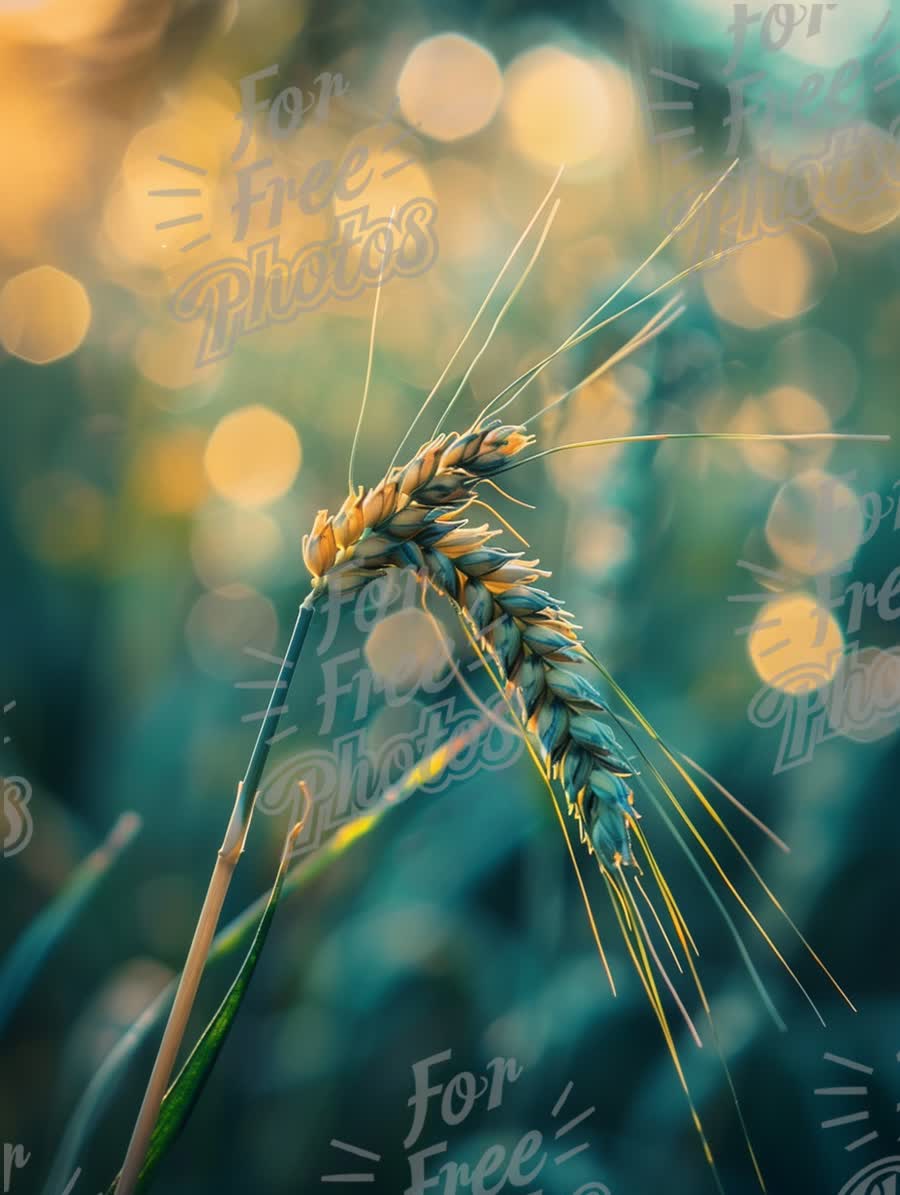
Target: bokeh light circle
{"points": [[406, 649], [562, 108], [223, 623], [795, 644], [229, 545], [450, 87], [44, 315], [252, 456], [815, 522]]}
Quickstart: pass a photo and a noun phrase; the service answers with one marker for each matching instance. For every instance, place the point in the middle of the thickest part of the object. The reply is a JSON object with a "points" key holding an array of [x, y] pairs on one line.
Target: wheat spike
{"points": [[413, 518]]}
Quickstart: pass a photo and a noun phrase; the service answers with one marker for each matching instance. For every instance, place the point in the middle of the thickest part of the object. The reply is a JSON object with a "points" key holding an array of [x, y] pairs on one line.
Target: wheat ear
{"points": [[413, 518]]}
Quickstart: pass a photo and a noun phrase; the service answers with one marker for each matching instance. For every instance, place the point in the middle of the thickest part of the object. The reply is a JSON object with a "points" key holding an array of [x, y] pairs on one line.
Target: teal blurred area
{"points": [[155, 491]]}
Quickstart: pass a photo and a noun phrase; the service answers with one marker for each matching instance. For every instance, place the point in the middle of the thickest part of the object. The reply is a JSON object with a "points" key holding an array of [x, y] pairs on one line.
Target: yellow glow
{"points": [[463, 197], [774, 278], [295, 228], [563, 108], [210, 101], [44, 315], [48, 136], [168, 473], [135, 205], [167, 356], [58, 20], [406, 177], [815, 523], [352, 830], [603, 543], [436, 762], [253, 456], [188, 149], [601, 404], [228, 543], [796, 410], [786, 409], [129, 236], [205, 143], [406, 649], [392, 178], [728, 299], [450, 87], [795, 644], [775, 275], [858, 193]]}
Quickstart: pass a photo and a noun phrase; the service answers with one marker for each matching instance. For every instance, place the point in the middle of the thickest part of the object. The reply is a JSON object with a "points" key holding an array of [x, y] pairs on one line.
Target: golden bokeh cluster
{"points": [[117, 202]]}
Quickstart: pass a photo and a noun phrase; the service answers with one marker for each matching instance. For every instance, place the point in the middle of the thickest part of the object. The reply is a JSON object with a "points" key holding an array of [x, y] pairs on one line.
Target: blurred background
{"points": [[152, 510]]}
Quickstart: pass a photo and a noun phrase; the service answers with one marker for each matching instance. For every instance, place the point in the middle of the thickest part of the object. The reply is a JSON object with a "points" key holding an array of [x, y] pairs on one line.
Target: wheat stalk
{"points": [[226, 861]]}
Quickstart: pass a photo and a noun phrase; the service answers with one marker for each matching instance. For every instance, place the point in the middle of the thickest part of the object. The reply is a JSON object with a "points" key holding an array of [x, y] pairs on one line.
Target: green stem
{"points": [[226, 861]]}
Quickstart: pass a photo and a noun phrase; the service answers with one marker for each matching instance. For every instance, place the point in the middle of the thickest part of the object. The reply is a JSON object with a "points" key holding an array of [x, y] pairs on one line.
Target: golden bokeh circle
{"points": [[252, 456], [795, 644], [44, 315], [406, 649], [563, 108], [450, 87]]}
